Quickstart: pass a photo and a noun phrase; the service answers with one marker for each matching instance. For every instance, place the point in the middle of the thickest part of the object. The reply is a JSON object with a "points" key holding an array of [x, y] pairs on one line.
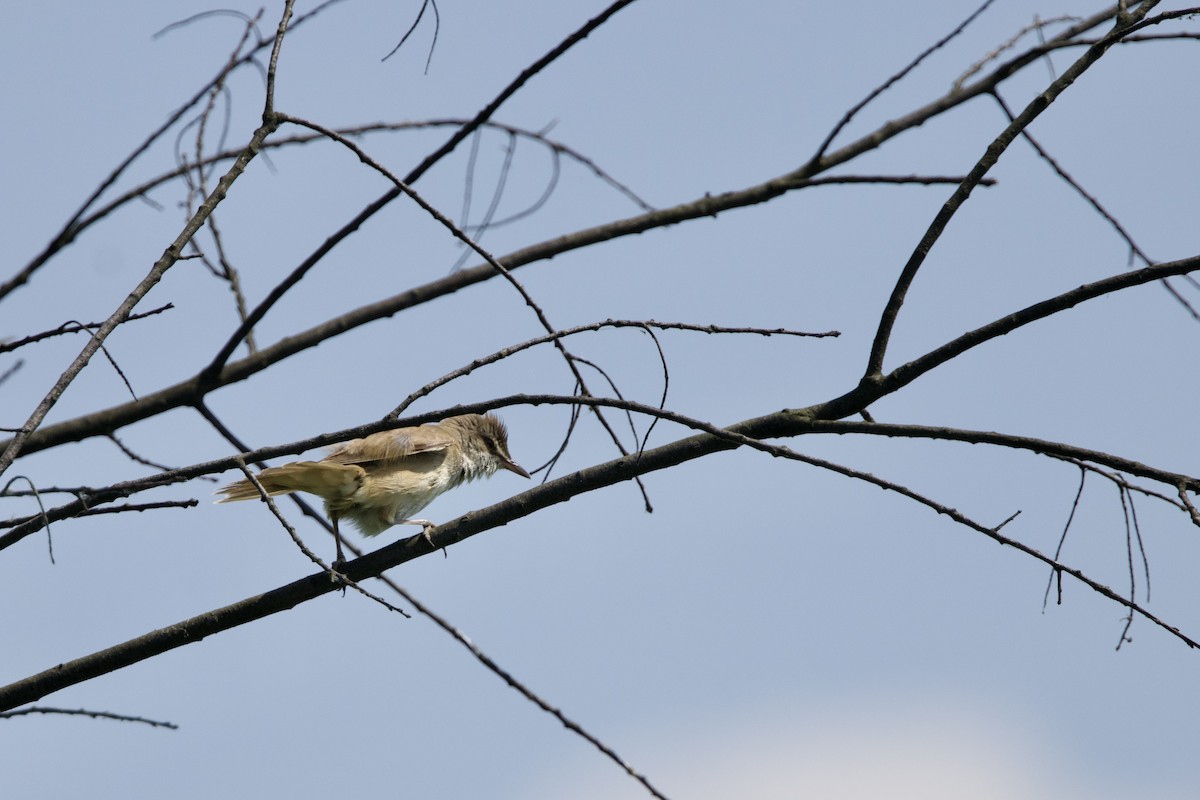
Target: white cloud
{"points": [[865, 749]]}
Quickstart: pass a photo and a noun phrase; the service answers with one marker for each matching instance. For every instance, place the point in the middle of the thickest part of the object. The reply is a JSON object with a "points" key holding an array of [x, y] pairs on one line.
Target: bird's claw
{"points": [[426, 528]]}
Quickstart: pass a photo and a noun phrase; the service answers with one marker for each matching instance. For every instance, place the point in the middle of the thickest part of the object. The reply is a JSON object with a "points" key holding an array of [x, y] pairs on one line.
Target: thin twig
{"points": [[1038, 25], [522, 689], [336, 576], [134, 456], [154, 723], [74, 327], [1122, 482], [437, 25], [190, 503], [593, 326], [37, 496], [883, 87], [479, 229], [8, 373]]}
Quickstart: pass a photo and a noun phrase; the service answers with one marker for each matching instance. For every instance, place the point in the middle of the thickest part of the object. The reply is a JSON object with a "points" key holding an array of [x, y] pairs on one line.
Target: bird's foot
{"points": [[429, 526], [426, 530], [336, 572], [426, 527]]}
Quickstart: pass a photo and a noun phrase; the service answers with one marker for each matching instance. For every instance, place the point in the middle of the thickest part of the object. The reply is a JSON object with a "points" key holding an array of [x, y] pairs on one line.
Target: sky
{"points": [[771, 629]]}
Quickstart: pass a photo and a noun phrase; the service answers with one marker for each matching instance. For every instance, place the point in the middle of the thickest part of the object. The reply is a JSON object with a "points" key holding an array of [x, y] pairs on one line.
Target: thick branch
{"points": [[716, 440], [871, 389], [994, 150]]}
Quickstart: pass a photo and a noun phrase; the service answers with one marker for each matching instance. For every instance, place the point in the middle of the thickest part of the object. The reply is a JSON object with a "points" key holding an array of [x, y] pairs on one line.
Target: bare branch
{"points": [[69, 231], [644, 325], [894, 79], [33, 492], [338, 579], [871, 388], [437, 26], [1062, 540], [190, 503], [134, 456], [999, 145], [785, 423], [484, 659], [713, 439], [74, 327], [8, 373], [1038, 25], [1187, 503], [164, 263], [20, 712], [1059, 450]]}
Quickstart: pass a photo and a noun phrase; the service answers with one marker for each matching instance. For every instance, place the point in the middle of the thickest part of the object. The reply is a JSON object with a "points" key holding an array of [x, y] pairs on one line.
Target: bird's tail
{"points": [[323, 479]]}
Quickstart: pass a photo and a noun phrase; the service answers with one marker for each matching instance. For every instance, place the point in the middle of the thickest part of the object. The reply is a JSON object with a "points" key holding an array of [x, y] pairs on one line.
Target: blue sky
{"points": [[771, 630]]}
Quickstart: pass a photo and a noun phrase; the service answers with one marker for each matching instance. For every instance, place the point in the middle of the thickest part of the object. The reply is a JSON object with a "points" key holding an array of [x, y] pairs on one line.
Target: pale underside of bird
{"points": [[384, 479]]}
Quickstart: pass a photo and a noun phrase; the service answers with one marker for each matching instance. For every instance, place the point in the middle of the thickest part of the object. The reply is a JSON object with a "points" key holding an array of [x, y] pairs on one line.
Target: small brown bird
{"points": [[383, 479]]}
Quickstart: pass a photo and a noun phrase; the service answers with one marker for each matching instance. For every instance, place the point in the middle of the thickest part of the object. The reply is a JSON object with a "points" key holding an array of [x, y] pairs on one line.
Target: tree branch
{"points": [[997, 148], [712, 440]]}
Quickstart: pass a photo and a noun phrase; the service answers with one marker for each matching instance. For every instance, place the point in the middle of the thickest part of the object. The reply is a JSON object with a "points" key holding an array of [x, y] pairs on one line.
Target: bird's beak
{"points": [[513, 466]]}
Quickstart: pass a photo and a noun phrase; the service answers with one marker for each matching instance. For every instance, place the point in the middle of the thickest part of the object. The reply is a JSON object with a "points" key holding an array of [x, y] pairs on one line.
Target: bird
{"points": [[385, 478]]}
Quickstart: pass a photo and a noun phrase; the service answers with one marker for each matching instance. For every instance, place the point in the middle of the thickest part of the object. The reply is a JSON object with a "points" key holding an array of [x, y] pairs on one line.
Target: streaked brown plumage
{"points": [[385, 478]]}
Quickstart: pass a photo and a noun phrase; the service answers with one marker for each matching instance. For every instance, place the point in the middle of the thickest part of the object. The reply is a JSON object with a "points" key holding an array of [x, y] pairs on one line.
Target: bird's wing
{"points": [[390, 446]]}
